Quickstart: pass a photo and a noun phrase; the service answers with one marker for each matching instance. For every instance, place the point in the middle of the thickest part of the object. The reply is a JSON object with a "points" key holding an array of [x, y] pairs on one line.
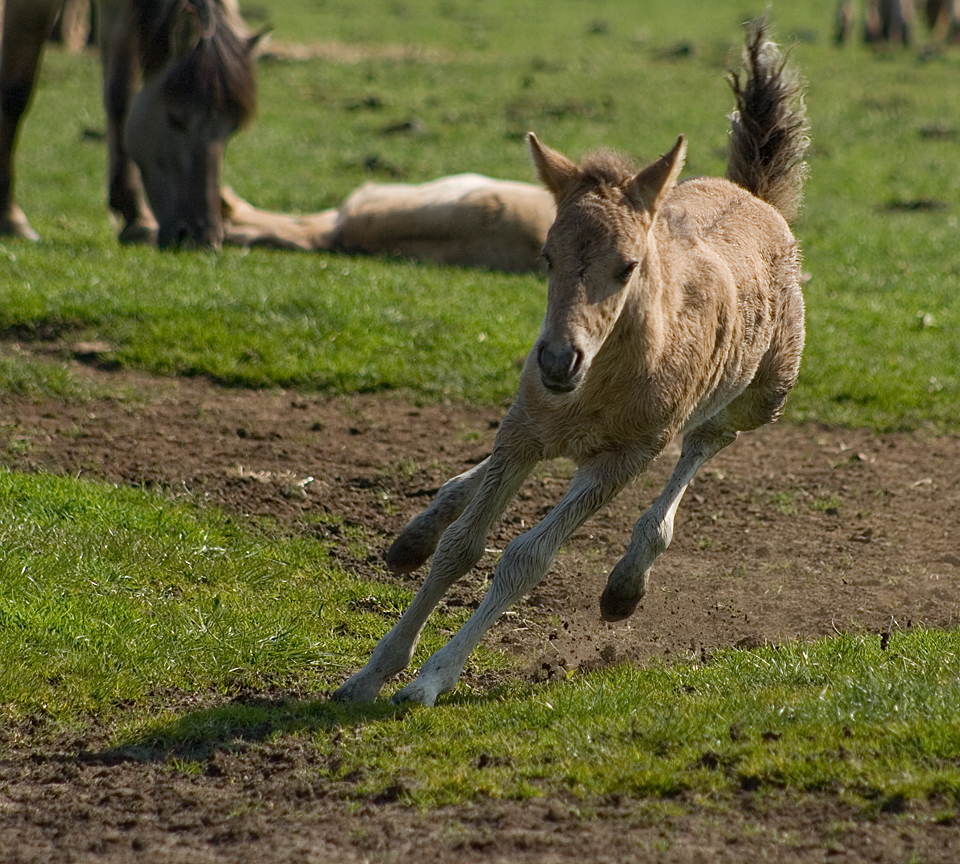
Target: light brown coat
{"points": [[466, 219]]}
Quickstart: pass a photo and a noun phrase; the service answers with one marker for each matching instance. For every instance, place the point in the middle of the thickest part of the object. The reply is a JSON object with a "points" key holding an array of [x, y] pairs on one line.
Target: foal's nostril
{"points": [[559, 366], [562, 361]]}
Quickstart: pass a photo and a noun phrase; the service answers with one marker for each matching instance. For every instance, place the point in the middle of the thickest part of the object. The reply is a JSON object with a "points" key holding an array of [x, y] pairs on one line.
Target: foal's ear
{"points": [[648, 190], [556, 171]]}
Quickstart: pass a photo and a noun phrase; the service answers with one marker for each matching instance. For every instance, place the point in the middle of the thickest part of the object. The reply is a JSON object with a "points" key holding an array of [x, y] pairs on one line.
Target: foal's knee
{"points": [[523, 564], [459, 549]]}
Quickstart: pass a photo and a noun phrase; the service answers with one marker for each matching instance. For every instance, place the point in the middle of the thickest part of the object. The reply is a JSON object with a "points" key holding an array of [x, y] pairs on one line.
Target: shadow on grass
{"points": [[247, 718]]}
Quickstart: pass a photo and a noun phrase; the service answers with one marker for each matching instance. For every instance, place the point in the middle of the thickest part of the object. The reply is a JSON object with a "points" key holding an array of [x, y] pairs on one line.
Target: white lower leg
{"points": [[460, 548]]}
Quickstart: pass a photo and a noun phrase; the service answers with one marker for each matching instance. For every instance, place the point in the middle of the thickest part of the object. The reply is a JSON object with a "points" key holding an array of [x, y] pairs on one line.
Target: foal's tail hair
{"points": [[769, 128]]}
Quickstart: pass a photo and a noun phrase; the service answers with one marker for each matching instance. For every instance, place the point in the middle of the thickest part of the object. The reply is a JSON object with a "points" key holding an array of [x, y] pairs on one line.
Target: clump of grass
{"points": [[39, 380]]}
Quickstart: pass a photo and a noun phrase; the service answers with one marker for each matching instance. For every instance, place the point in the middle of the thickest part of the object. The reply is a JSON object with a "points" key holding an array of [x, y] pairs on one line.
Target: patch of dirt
{"points": [[794, 531]]}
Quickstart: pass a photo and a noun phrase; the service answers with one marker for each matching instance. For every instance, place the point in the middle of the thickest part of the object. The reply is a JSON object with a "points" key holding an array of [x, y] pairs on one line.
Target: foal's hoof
{"points": [[615, 604], [358, 688], [405, 555], [414, 693]]}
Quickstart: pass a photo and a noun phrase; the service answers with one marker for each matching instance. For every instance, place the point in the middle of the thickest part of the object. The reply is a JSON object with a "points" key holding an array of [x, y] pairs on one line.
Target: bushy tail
{"points": [[769, 128]]}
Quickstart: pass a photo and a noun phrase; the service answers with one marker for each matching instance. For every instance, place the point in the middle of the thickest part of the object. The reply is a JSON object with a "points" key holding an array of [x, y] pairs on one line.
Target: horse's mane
{"points": [[218, 72]]}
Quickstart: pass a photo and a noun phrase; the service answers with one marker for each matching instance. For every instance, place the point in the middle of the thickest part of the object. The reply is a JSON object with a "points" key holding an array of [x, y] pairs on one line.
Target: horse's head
{"points": [[596, 251], [199, 88]]}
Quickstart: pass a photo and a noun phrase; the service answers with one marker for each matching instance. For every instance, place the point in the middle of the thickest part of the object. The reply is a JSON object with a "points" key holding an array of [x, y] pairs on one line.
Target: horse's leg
{"points": [[522, 566], [117, 50], [459, 549], [653, 531], [420, 536], [25, 27]]}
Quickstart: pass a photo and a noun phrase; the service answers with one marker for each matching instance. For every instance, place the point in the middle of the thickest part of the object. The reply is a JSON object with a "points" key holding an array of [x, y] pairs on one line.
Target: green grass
{"points": [[24, 376], [882, 300], [112, 597], [109, 594], [843, 716]]}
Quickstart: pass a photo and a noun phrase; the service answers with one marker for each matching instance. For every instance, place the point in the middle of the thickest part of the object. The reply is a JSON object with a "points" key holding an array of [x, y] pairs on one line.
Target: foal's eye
{"points": [[627, 271]]}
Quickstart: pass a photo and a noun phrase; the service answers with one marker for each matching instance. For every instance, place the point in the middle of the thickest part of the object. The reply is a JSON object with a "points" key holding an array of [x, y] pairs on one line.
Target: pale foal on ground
{"points": [[467, 220], [672, 308]]}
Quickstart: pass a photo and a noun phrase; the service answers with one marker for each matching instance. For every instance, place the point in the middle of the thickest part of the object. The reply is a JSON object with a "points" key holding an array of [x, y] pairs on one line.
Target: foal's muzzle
{"points": [[559, 367]]}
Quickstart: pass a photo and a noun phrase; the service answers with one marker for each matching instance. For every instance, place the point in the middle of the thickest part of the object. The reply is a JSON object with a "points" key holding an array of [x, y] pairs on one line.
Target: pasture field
{"points": [[878, 230], [203, 457]]}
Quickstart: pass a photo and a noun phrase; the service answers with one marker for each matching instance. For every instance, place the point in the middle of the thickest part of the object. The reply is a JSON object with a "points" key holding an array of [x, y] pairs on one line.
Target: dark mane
{"points": [[218, 73]]}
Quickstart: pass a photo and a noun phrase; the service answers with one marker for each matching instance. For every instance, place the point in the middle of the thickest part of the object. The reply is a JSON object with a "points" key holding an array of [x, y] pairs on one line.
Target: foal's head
{"points": [[199, 88], [596, 251]]}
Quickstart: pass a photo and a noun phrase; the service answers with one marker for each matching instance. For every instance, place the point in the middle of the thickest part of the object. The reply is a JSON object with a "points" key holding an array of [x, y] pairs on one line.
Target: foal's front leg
{"points": [[522, 566], [489, 489], [419, 538]]}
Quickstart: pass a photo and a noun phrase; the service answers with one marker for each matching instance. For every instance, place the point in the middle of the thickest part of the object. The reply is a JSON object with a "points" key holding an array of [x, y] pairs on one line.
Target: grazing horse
{"points": [[671, 308], [466, 220], [198, 87]]}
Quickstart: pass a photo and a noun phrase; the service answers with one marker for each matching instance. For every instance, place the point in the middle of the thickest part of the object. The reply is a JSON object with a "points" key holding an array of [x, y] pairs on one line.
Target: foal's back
{"points": [[744, 242]]}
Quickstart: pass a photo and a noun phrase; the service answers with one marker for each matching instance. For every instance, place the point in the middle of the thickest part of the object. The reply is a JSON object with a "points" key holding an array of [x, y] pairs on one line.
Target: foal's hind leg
{"points": [[420, 536], [654, 529], [460, 548]]}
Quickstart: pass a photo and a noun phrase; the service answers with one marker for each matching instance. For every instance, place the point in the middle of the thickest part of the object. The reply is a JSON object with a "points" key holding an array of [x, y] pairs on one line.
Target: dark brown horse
{"points": [[943, 16], [195, 61]]}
